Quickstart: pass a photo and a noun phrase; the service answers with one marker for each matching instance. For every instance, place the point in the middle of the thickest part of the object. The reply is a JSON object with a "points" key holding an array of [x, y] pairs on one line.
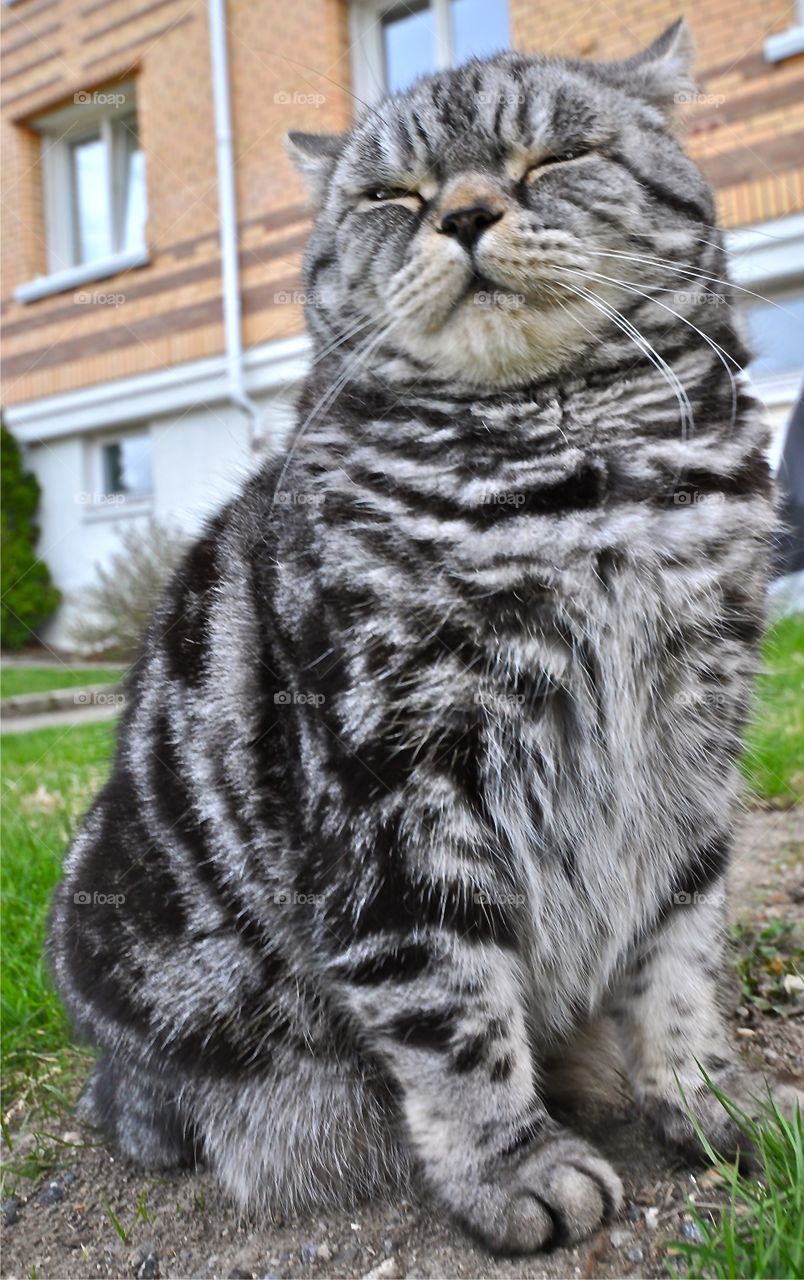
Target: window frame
{"points": [[59, 132], [98, 504], [368, 54], [788, 43]]}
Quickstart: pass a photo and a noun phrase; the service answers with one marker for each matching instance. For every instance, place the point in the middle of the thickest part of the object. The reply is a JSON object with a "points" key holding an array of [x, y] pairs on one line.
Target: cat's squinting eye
{"points": [[380, 195], [560, 158]]}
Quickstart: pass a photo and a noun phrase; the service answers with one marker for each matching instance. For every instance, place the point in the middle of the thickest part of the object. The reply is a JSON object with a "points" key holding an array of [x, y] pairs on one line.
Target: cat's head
{"points": [[459, 223]]}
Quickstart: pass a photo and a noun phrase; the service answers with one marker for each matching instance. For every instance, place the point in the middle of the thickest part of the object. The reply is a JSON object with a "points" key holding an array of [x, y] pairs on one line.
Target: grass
{"points": [[757, 1235], [16, 680], [49, 777], [774, 759]]}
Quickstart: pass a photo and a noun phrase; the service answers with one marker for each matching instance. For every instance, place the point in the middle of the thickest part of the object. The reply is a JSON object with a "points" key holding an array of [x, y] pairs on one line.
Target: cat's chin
{"points": [[497, 338]]}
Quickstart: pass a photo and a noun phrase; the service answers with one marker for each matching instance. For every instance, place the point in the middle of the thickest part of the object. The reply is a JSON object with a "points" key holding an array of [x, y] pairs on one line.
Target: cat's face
{"points": [[461, 223]]}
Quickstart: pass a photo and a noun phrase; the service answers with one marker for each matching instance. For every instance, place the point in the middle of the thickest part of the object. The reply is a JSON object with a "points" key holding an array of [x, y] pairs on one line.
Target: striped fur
{"points": [[430, 754]]}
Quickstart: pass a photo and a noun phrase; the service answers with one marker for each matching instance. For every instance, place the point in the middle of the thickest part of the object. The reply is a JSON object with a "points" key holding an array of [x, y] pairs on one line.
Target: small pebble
{"points": [[10, 1210], [770, 1055], [621, 1238], [309, 1252], [388, 1269], [691, 1230], [635, 1255], [51, 1194], [324, 1252], [149, 1267], [652, 1218], [68, 1179]]}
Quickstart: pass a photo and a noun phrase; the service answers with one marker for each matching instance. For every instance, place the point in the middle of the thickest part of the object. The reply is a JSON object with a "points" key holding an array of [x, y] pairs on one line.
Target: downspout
{"points": [[227, 201]]}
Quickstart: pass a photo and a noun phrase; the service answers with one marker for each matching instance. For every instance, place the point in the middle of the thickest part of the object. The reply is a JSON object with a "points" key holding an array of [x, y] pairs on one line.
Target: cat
{"points": [[429, 759]]}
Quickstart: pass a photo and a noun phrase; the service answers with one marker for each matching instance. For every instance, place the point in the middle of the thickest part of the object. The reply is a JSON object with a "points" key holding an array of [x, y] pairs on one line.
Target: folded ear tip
{"points": [[315, 146]]}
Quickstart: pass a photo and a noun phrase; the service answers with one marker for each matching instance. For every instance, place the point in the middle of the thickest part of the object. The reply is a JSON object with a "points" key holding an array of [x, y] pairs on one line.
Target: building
{"points": [[153, 225]]}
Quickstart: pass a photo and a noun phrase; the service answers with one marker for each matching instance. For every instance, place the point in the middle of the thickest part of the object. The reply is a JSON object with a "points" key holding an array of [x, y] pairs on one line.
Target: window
{"points": [[93, 175], [775, 332], [395, 42], [120, 469]]}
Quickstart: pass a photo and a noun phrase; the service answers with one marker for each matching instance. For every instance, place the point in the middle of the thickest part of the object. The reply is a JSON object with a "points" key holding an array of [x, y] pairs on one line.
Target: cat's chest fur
{"points": [[523, 666]]}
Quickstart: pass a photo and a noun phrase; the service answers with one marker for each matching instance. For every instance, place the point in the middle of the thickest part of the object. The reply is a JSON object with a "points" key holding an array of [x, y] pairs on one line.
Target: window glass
{"points": [[132, 232], [775, 332], [408, 43], [127, 466], [479, 28], [91, 200]]}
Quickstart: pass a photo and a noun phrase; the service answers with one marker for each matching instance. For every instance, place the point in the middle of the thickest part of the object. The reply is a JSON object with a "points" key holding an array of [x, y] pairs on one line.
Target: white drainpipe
{"points": [[232, 322]]}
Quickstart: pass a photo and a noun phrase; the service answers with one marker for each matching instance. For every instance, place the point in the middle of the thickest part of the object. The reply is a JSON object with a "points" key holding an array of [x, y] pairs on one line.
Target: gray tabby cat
{"points": [[430, 754]]}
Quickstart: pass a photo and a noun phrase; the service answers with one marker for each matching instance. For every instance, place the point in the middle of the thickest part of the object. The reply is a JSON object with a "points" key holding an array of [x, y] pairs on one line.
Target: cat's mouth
{"points": [[483, 291]]}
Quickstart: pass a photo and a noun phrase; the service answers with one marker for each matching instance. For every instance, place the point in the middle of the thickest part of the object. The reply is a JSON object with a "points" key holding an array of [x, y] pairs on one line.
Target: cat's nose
{"points": [[467, 225]]}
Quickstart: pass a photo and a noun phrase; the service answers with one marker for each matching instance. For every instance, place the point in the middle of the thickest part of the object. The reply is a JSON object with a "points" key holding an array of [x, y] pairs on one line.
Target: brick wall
{"points": [[170, 310]]}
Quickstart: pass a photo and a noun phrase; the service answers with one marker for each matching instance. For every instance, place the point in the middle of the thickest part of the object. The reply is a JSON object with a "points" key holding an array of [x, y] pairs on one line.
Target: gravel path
{"points": [[179, 1226]]}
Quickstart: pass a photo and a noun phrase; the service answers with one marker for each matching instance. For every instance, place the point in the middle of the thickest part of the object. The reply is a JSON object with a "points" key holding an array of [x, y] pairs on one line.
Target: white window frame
{"points": [[368, 54], [786, 44], [89, 115], [99, 505]]}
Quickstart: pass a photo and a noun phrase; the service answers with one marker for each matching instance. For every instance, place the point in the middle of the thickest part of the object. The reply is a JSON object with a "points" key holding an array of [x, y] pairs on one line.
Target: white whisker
{"points": [[722, 355]]}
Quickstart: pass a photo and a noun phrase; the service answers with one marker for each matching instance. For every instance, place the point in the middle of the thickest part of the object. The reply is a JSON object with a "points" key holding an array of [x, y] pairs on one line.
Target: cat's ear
{"points": [[662, 73], [314, 155]]}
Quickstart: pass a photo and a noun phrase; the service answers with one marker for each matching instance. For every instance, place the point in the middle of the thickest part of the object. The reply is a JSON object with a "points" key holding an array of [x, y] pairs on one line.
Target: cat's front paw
{"points": [[559, 1193]]}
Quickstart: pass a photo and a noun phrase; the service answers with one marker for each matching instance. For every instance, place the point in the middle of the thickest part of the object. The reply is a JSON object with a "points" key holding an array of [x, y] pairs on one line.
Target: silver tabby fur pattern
{"points": [[429, 758]]}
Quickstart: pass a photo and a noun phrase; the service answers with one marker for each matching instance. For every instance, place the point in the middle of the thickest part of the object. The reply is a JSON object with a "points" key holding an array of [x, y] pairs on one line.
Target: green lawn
{"points": [[48, 780], [774, 758], [16, 680], [50, 776]]}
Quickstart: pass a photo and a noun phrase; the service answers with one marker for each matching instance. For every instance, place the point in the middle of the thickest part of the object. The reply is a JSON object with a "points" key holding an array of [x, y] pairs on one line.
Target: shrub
{"points": [[114, 611], [28, 594]]}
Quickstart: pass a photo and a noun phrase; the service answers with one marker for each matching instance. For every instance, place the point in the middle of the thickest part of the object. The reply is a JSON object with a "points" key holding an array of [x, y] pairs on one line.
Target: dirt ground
{"points": [[64, 1225]]}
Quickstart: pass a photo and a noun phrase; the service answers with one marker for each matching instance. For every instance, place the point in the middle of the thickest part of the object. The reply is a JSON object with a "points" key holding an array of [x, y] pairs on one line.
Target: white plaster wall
{"points": [[200, 459]]}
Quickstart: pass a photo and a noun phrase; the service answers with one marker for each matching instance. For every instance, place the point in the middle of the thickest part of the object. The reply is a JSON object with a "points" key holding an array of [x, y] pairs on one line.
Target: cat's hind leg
{"points": [[138, 1113]]}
